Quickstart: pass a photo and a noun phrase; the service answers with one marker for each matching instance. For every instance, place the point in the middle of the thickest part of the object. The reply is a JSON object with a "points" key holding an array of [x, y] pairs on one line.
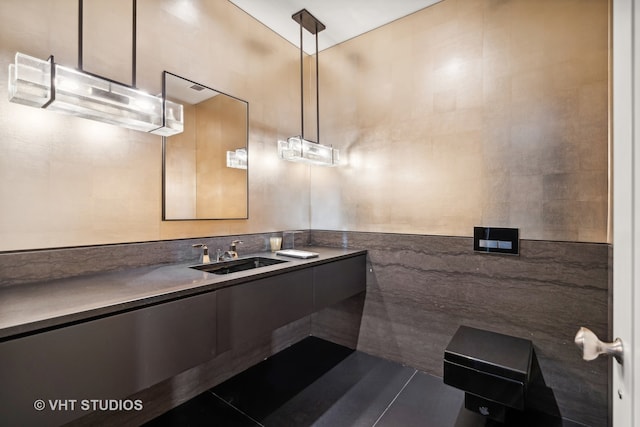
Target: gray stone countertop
{"points": [[31, 307]]}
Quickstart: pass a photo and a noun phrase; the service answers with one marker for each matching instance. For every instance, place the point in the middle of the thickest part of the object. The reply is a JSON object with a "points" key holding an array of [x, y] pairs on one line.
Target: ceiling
{"points": [[344, 19], [186, 91]]}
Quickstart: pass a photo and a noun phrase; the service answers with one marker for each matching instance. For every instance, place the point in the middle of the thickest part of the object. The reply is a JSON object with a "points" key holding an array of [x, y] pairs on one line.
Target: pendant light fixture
{"points": [[45, 84], [298, 148]]}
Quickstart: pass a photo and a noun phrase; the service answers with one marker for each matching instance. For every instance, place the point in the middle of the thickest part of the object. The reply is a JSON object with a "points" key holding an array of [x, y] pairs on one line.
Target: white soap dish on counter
{"points": [[295, 253]]}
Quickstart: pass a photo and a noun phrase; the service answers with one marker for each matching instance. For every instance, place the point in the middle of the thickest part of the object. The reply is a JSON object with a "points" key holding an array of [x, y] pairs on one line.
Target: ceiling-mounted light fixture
{"points": [[297, 148], [45, 84]]}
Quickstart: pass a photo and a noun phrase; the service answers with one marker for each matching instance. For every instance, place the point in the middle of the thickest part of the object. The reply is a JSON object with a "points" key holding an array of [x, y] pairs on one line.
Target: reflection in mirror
{"points": [[205, 167]]}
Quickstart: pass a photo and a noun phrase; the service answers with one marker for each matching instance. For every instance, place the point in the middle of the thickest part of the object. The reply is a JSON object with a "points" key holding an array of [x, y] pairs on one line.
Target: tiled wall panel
{"points": [[42, 265], [421, 288]]}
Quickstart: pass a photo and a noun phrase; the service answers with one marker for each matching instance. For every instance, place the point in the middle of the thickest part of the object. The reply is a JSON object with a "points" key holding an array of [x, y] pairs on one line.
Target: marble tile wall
{"points": [[340, 323], [48, 264], [421, 288]]}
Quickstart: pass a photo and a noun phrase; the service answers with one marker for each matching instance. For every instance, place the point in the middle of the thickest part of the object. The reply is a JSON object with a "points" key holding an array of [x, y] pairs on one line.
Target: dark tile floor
{"points": [[315, 382]]}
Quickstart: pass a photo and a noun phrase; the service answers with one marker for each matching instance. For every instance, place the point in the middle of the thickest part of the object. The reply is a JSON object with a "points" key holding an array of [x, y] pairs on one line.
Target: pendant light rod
{"points": [[317, 91], [301, 85], [311, 24], [134, 43], [297, 148], [80, 47]]}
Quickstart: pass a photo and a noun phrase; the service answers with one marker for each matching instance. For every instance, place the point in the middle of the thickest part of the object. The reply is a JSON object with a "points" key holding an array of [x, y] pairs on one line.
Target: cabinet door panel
{"points": [[107, 358], [253, 309], [339, 280]]}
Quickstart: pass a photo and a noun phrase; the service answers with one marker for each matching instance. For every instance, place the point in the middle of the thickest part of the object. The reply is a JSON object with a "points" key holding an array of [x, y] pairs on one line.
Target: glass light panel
{"points": [[29, 81], [90, 97], [237, 159], [297, 149], [173, 121]]}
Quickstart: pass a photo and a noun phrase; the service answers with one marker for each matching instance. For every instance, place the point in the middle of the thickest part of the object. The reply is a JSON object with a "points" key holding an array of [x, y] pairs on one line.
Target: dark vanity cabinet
{"points": [[255, 309], [251, 310], [338, 280], [107, 358]]}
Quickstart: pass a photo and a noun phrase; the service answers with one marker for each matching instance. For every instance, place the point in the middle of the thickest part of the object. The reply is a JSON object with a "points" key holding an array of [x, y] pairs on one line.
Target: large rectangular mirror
{"points": [[205, 173]]}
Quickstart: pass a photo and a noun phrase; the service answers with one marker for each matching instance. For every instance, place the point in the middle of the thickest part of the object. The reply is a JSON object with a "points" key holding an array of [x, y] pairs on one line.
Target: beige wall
{"points": [[198, 183], [470, 113], [221, 191], [180, 155], [66, 181], [466, 113]]}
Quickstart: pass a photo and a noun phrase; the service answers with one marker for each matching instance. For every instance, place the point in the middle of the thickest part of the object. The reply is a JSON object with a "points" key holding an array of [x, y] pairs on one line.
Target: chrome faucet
{"points": [[232, 253], [204, 257]]}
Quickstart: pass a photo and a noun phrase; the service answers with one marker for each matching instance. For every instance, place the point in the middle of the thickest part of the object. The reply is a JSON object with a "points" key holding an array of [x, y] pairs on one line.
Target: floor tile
{"points": [[319, 383], [354, 393], [260, 390], [538, 419], [426, 402], [204, 410], [567, 423]]}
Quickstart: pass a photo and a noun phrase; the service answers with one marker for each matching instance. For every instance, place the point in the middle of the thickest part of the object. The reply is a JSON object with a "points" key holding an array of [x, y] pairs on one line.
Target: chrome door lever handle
{"points": [[592, 347]]}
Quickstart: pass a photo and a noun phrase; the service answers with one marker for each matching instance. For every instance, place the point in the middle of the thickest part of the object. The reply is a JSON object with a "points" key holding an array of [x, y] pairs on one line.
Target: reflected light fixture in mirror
{"points": [[237, 159], [298, 148], [45, 84], [205, 168]]}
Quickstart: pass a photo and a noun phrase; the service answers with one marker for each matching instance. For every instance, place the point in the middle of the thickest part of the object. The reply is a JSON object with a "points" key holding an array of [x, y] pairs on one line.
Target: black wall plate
{"points": [[496, 240]]}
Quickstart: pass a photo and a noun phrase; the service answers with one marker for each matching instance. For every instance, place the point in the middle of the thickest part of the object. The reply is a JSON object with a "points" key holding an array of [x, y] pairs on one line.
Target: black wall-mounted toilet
{"points": [[499, 374]]}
